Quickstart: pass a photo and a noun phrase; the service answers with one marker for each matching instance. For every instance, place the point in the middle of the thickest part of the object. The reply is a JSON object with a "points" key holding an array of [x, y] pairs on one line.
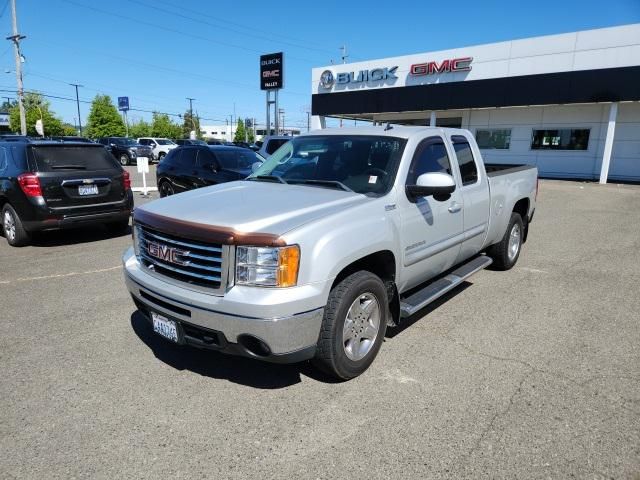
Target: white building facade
{"points": [[568, 103]]}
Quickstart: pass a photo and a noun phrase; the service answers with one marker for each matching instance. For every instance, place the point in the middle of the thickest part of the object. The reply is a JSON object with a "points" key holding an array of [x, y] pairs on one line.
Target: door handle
{"points": [[455, 207]]}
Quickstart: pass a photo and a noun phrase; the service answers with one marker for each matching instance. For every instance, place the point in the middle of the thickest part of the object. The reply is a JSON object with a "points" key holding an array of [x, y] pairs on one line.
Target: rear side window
{"points": [[466, 162], [187, 158], [430, 157], [274, 145], [67, 157], [236, 159], [3, 159]]}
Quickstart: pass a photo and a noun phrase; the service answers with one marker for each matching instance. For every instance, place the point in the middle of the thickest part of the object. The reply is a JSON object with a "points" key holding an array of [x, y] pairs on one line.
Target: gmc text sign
{"points": [[272, 71], [446, 66]]}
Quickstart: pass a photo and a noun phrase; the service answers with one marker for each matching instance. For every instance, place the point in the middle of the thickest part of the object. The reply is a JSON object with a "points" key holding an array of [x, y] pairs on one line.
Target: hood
{"points": [[251, 206]]}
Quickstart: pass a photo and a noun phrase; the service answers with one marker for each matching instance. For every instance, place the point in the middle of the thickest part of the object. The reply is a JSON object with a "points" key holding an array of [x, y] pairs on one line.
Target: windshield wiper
{"points": [[324, 183], [69, 167], [268, 178]]}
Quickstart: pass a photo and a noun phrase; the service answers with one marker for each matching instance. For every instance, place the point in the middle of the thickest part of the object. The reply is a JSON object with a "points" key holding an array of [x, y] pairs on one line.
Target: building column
{"points": [[432, 119], [318, 122], [608, 143]]}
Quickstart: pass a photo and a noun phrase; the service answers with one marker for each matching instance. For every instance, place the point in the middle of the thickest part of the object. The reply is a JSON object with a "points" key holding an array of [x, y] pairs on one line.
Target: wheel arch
{"points": [[521, 207]]}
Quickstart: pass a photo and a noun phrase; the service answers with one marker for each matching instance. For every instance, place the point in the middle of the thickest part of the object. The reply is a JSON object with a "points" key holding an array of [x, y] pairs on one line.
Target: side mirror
{"points": [[255, 166], [436, 184], [214, 167]]}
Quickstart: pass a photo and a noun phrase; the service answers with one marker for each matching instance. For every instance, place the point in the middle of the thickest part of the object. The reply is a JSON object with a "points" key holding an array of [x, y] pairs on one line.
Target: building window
{"points": [[560, 139], [494, 138]]}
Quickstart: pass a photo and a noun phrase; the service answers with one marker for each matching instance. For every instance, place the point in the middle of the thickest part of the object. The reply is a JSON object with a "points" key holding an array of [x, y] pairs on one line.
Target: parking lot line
{"points": [[60, 275]]}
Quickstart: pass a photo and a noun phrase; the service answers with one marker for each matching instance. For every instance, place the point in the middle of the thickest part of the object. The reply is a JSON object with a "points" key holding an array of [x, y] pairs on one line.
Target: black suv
{"points": [[194, 166], [126, 150], [48, 185]]}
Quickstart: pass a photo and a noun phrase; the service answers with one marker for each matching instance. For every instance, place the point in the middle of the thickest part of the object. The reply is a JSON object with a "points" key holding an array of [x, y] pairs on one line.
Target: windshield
{"points": [[124, 141], [162, 141], [362, 163]]}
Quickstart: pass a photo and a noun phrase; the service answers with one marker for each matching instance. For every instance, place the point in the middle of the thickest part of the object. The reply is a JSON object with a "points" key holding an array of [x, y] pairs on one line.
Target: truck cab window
{"points": [[430, 157], [466, 162]]}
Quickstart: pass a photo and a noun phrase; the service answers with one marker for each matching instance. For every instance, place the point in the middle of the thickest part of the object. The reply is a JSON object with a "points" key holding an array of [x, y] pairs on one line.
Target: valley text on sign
{"points": [[272, 71]]}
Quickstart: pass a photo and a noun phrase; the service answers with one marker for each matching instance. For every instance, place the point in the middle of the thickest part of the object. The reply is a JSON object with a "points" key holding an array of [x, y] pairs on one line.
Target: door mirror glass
{"points": [[436, 183]]}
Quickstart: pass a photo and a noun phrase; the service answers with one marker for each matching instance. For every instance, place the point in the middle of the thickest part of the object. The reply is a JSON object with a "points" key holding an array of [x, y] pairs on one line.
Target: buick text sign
{"points": [[387, 74], [272, 71]]}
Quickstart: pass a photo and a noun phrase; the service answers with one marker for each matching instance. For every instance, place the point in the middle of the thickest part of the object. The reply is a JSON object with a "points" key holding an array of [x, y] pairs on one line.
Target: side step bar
{"points": [[433, 291]]}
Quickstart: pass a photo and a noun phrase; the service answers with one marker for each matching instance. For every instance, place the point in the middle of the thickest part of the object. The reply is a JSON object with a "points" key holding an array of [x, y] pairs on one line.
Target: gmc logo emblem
{"points": [[168, 254], [446, 66], [270, 73]]}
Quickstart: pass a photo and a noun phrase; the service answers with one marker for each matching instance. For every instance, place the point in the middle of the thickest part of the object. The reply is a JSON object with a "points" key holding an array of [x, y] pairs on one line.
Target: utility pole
{"points": [[344, 53], [281, 112], [231, 124], [308, 120], [193, 124], [78, 105], [15, 38]]}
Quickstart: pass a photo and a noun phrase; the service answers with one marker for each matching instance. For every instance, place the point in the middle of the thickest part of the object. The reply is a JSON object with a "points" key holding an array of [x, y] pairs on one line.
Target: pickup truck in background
{"points": [[339, 234]]}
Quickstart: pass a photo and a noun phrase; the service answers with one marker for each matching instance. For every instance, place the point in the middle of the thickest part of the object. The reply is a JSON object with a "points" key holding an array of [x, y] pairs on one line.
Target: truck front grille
{"points": [[195, 263]]}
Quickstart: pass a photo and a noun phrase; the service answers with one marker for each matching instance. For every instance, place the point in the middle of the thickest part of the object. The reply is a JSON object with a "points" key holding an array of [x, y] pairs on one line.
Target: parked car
{"points": [[194, 166], [126, 150], [189, 141], [341, 233], [213, 141], [159, 146], [272, 143], [48, 185]]}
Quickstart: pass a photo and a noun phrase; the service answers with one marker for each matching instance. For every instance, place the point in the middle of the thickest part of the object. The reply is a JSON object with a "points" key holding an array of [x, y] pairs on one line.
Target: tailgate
{"points": [[78, 176]]}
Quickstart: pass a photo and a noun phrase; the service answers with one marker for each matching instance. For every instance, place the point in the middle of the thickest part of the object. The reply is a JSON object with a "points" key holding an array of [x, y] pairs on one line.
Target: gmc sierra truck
{"points": [[338, 235]]}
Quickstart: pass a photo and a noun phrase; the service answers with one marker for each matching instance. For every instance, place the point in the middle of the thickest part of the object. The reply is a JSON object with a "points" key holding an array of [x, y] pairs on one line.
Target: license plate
{"points": [[164, 327], [88, 190]]}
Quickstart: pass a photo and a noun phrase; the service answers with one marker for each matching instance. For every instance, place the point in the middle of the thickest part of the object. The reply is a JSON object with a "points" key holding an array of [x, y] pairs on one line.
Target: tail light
{"points": [[127, 180], [30, 184]]}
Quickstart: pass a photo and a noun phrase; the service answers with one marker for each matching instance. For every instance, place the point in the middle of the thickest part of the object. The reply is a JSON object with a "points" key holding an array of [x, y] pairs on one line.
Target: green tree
{"points": [[104, 119], [250, 136], [140, 129], [162, 126], [69, 129], [189, 124], [36, 108], [239, 135]]}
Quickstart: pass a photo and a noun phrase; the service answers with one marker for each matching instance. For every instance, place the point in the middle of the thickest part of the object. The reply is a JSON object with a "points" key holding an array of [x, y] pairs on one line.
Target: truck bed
{"points": [[495, 169]]}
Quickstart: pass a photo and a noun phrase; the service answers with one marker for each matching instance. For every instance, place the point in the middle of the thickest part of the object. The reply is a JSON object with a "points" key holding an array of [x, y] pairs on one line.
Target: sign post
{"points": [[272, 80], [143, 168], [123, 106]]}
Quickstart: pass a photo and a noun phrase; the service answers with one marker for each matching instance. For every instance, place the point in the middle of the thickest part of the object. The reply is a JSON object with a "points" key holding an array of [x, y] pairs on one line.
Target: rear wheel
{"points": [[353, 327], [12, 227], [161, 156], [124, 160], [166, 189], [505, 254]]}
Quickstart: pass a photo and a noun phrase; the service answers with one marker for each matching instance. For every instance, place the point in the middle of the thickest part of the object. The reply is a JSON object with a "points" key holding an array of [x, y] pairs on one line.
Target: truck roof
{"points": [[398, 131]]}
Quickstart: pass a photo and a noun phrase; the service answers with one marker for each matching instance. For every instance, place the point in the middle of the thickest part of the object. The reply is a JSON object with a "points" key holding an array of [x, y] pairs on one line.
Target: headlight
{"points": [[267, 267], [136, 240], [132, 151]]}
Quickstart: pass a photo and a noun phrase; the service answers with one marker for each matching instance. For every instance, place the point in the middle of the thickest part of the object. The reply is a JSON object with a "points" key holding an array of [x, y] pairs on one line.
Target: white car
{"points": [[159, 146]]}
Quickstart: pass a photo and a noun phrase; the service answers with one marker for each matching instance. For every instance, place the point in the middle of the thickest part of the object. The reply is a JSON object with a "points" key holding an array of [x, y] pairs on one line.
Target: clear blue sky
{"points": [[160, 51]]}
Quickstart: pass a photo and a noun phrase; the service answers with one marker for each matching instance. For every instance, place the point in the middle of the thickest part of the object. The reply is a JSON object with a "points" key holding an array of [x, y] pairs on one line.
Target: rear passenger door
{"points": [[474, 188], [184, 171]]}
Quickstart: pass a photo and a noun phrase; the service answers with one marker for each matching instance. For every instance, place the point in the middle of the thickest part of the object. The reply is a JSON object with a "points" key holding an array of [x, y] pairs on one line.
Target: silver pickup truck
{"points": [[338, 235]]}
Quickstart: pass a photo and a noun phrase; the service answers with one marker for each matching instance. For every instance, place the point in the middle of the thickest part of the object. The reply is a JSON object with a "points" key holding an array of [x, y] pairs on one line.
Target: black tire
{"points": [[502, 253], [165, 188], [120, 227], [331, 352], [13, 229], [161, 156], [124, 160]]}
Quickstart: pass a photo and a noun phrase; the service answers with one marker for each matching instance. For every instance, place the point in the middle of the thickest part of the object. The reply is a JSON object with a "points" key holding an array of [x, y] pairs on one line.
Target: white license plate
{"points": [[88, 190], [165, 327]]}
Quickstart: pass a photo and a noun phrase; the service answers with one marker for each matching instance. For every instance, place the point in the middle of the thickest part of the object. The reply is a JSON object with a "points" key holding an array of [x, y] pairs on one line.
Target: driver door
{"points": [[432, 229]]}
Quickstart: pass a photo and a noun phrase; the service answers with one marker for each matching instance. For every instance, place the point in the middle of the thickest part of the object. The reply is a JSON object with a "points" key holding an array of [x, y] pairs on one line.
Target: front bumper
{"points": [[278, 325]]}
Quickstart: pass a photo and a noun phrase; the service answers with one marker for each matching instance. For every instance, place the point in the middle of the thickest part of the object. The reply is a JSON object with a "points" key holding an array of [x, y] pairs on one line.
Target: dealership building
{"points": [[568, 103]]}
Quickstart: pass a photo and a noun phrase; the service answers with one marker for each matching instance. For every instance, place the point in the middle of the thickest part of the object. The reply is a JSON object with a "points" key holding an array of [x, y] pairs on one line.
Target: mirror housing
{"points": [[437, 184]]}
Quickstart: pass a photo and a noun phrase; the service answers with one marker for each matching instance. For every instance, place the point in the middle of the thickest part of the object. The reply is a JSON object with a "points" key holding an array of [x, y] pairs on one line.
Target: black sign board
{"points": [[123, 103], [272, 71]]}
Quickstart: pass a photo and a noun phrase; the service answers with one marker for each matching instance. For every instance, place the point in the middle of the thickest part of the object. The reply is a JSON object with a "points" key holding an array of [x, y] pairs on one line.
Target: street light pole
{"points": [[15, 38], [78, 105]]}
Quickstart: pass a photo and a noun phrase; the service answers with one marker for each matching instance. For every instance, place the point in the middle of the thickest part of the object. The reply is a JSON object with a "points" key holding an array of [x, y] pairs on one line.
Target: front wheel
{"points": [[505, 253], [124, 160], [166, 189], [353, 327]]}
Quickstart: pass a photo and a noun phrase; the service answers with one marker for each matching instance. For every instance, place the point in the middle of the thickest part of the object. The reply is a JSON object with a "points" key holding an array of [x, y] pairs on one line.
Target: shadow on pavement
{"points": [[58, 238], [208, 363], [429, 309]]}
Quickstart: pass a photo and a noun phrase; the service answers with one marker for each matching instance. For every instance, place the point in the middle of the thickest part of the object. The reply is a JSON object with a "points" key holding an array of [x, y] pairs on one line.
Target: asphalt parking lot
{"points": [[531, 373]]}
